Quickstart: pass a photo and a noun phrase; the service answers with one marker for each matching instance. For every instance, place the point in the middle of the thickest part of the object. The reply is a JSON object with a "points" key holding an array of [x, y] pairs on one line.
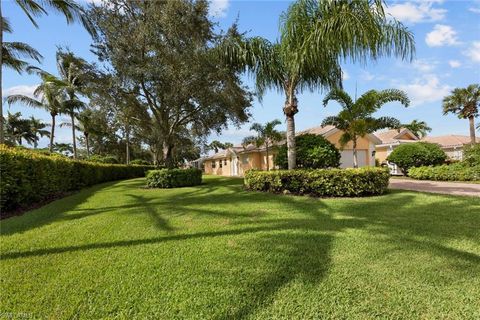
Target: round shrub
{"points": [[140, 162], [417, 154], [313, 152], [471, 155], [320, 182], [174, 178]]}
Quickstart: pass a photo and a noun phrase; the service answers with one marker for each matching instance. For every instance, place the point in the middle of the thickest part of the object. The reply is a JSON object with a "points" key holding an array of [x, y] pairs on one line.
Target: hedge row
{"points": [[453, 172], [29, 177], [321, 182], [173, 178]]}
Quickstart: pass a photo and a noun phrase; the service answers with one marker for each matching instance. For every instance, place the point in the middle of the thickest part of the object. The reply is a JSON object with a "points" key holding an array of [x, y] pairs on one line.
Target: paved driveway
{"points": [[453, 188]]}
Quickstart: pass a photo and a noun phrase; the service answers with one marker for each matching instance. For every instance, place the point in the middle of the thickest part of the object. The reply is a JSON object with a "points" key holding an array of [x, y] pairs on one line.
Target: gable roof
{"points": [[449, 140], [393, 136]]}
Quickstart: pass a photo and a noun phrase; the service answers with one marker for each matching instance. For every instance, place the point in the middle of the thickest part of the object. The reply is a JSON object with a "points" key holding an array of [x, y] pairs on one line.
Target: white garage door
{"points": [[347, 158]]}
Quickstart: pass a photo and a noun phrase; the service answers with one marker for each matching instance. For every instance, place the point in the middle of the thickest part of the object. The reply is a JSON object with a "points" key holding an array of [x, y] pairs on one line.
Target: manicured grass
{"points": [[216, 251]]}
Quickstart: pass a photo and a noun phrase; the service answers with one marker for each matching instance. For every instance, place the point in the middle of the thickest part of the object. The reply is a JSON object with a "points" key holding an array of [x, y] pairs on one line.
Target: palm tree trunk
{"points": [[35, 141], [74, 140], [471, 120], [2, 138], [290, 109], [266, 149], [355, 159], [52, 133], [87, 144]]}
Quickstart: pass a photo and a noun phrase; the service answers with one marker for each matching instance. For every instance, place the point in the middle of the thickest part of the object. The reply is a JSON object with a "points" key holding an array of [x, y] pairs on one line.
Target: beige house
{"points": [[237, 160], [389, 140], [452, 144]]}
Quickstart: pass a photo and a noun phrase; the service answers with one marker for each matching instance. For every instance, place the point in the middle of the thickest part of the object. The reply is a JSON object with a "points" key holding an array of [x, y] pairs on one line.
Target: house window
{"points": [[244, 159], [213, 164], [220, 163], [225, 162]]}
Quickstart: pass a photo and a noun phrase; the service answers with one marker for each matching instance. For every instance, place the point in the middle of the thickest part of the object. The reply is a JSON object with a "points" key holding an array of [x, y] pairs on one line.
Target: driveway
{"points": [[453, 188]]}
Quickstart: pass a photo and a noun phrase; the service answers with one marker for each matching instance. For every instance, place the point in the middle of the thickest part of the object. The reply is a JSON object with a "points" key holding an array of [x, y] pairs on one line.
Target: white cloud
{"points": [[345, 75], [367, 76], [441, 35], [22, 89], [474, 10], [219, 8], [423, 65], [473, 52], [416, 11], [454, 63], [426, 89]]}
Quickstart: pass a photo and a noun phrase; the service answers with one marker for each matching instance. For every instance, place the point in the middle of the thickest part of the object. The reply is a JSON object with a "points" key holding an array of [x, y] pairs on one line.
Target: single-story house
{"points": [[237, 160], [389, 140], [452, 144]]}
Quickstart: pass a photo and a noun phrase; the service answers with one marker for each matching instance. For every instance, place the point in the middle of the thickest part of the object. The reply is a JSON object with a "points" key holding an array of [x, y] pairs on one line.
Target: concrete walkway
{"points": [[453, 188]]}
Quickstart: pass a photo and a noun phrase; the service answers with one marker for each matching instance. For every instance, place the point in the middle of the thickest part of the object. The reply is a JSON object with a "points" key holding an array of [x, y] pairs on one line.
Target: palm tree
{"points": [[217, 145], [85, 124], [46, 96], [63, 148], [267, 135], [356, 118], [34, 8], [37, 128], [315, 35], [464, 102], [72, 71], [18, 129], [418, 128]]}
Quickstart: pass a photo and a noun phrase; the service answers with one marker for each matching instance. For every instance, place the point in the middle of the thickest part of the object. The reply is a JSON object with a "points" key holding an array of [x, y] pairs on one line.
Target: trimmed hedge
{"points": [[174, 178], [453, 172], [321, 182], [28, 177]]}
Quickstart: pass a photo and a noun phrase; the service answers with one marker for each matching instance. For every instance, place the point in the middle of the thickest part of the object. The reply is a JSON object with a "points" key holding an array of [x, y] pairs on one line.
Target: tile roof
{"points": [[449, 140], [390, 136]]}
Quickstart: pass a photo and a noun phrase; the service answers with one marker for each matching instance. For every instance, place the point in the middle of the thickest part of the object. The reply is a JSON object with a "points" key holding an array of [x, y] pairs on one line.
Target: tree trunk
{"points": [[168, 155], [266, 149], [290, 109], [473, 139], [35, 142], [87, 144], [2, 138], [52, 133], [74, 140], [127, 146], [355, 160]]}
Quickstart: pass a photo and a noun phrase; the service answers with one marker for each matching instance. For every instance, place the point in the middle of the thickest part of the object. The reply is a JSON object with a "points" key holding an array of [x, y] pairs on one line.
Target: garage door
{"points": [[347, 158]]}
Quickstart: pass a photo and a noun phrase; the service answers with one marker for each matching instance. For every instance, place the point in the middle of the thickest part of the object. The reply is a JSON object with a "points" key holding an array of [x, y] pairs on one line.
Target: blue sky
{"points": [[447, 35]]}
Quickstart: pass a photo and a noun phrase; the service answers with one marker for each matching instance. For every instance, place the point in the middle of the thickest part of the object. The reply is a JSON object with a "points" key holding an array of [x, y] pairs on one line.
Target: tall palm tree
{"points": [[315, 36], [46, 96], [356, 118], [267, 135], [38, 130], [464, 102], [72, 70], [84, 124], [34, 8], [418, 128]]}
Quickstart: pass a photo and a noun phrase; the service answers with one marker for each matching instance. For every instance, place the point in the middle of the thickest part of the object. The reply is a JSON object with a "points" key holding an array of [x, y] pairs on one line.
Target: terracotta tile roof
{"points": [[390, 136], [317, 130], [449, 140]]}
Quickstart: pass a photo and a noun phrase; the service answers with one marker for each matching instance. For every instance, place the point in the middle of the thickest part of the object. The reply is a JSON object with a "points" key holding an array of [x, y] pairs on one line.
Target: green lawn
{"points": [[216, 251]]}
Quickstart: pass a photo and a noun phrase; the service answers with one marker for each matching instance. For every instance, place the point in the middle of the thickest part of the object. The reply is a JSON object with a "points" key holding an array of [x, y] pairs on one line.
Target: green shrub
{"points": [[174, 178], [453, 172], [320, 182], [140, 162], [28, 177], [103, 159], [417, 154], [471, 155], [313, 152]]}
